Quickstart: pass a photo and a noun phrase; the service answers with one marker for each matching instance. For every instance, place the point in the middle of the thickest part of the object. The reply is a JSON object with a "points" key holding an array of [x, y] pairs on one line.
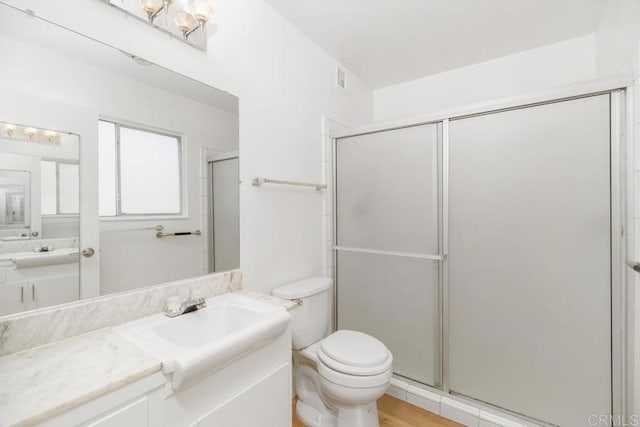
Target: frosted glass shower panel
{"points": [[394, 299], [530, 260], [387, 199], [387, 190]]}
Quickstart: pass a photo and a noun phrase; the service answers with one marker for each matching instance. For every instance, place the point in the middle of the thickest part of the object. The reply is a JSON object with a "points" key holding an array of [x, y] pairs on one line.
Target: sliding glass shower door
{"points": [[529, 266], [388, 244]]}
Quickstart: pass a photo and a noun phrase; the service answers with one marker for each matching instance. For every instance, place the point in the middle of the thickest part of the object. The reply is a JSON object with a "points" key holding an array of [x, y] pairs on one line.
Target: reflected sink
{"points": [[197, 344], [39, 259]]}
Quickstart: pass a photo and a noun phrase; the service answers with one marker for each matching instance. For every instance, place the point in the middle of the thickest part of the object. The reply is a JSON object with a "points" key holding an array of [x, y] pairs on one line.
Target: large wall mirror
{"points": [[115, 173]]}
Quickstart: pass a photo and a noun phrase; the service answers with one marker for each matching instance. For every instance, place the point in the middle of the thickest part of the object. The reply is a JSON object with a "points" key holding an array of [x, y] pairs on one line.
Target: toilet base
{"points": [[311, 417], [363, 415], [366, 415]]}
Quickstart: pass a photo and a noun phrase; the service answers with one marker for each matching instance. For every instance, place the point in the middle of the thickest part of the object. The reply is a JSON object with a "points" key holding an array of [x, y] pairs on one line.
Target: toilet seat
{"points": [[354, 381], [353, 353]]}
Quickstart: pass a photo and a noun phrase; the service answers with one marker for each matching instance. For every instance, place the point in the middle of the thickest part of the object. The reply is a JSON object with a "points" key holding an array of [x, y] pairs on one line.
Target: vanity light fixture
{"points": [[36, 135], [153, 8], [8, 128], [184, 20], [197, 17], [30, 132], [194, 17]]}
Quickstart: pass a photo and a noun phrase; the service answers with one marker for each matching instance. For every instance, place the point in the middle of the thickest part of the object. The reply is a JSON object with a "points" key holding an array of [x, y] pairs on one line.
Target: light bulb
{"points": [[30, 132], [185, 22], [201, 10], [151, 6]]}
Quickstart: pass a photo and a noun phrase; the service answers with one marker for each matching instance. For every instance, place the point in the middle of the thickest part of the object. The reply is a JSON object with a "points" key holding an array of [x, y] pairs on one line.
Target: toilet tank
{"points": [[310, 321]]}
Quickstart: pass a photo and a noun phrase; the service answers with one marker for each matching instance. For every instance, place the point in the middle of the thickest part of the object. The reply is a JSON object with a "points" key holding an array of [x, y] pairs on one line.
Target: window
{"points": [[59, 188], [139, 171]]}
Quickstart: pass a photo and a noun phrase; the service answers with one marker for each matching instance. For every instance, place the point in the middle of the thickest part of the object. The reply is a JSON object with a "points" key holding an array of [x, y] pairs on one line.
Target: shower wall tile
{"points": [[636, 101], [398, 389], [424, 399], [636, 182], [636, 151], [327, 126], [460, 412]]}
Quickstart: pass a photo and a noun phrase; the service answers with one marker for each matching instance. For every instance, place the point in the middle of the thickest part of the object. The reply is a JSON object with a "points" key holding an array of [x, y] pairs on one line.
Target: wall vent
{"points": [[341, 77]]}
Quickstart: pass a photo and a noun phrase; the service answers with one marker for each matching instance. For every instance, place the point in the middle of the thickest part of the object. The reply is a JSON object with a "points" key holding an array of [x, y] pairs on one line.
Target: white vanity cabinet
{"points": [[254, 390], [37, 287]]}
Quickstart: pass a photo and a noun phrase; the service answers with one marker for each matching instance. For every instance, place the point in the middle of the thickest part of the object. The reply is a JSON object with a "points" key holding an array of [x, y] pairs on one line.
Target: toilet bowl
{"points": [[338, 378]]}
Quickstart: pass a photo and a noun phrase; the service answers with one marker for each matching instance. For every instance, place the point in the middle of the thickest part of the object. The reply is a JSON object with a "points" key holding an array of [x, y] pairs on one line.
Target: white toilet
{"points": [[338, 378]]}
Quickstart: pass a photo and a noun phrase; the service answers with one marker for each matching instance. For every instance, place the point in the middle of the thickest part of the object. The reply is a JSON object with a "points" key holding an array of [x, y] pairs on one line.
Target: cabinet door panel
{"points": [[11, 298], [266, 404], [53, 290]]}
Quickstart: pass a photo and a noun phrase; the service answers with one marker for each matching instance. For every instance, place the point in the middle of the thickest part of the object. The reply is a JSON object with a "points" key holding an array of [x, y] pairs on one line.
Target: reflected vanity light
{"points": [[34, 134], [187, 21], [9, 129], [30, 132], [50, 135]]}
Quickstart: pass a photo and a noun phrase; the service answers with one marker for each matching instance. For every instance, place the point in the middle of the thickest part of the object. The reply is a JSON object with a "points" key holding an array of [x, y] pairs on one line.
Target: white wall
{"points": [[558, 64], [285, 85], [617, 37]]}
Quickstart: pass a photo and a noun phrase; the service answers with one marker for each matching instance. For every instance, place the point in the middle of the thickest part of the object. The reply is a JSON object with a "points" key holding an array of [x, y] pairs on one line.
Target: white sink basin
{"points": [[39, 259], [196, 344]]}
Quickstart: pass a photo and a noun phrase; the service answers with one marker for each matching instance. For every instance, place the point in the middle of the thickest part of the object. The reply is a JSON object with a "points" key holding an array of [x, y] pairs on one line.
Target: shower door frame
{"points": [[621, 179]]}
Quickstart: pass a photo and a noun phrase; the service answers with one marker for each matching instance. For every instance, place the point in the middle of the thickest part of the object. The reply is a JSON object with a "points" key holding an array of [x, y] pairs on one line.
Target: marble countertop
{"points": [[45, 381]]}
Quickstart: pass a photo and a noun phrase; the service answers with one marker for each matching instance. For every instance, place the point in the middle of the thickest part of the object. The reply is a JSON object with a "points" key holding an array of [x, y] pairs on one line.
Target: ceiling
{"points": [[385, 42]]}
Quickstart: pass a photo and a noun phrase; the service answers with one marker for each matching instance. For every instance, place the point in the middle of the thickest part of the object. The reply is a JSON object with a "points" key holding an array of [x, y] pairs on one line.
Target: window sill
{"points": [[140, 218]]}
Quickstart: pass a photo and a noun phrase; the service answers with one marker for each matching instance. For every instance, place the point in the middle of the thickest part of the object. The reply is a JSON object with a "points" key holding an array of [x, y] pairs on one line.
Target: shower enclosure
{"points": [[485, 250]]}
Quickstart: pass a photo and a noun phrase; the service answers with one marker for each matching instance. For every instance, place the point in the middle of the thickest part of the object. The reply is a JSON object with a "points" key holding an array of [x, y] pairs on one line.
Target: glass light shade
{"points": [[151, 6], [201, 10], [185, 21]]}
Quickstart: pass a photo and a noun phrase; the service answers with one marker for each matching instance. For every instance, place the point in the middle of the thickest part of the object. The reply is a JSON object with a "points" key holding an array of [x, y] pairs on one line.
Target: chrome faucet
{"points": [[185, 307]]}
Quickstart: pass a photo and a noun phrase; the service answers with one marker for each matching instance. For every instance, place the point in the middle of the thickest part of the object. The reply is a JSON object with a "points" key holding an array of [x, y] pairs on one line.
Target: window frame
{"points": [[119, 215], [59, 214]]}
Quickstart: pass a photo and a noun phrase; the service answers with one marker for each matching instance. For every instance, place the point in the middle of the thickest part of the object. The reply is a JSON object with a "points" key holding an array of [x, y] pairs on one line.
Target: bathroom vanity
{"points": [[31, 280], [226, 364]]}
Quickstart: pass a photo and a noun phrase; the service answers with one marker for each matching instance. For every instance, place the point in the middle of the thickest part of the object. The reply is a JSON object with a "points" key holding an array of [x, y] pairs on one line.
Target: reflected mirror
{"points": [[115, 173]]}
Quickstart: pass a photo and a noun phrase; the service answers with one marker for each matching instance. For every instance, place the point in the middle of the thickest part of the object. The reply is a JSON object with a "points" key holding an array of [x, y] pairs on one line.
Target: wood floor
{"points": [[397, 413]]}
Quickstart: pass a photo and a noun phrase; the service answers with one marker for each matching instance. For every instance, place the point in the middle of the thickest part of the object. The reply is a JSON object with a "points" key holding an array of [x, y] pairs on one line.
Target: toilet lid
{"points": [[355, 353]]}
